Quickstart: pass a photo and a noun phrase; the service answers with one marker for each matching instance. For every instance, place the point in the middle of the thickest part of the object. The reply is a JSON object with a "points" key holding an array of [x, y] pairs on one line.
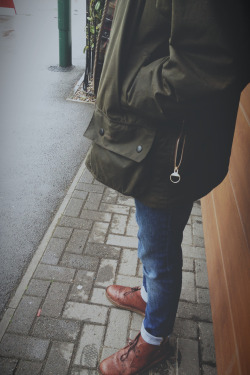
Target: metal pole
{"points": [[64, 26], [88, 50]]}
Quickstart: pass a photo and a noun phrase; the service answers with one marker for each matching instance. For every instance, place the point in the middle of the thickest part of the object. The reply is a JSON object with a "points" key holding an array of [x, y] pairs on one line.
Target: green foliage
{"points": [[94, 18]]}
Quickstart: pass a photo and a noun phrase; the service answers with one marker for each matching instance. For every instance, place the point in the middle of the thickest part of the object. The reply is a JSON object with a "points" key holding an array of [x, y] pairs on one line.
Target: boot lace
{"points": [[132, 344], [132, 290]]}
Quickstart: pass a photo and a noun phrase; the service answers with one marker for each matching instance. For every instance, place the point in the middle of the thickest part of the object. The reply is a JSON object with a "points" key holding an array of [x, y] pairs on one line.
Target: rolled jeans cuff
{"points": [[150, 339], [144, 294]]}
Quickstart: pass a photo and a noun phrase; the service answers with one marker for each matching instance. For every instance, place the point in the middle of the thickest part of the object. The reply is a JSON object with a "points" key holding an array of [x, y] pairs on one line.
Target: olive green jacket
{"points": [[167, 101]]}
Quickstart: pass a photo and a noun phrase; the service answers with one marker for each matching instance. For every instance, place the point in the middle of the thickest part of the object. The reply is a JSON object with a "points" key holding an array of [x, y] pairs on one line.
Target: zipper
{"points": [[179, 150]]}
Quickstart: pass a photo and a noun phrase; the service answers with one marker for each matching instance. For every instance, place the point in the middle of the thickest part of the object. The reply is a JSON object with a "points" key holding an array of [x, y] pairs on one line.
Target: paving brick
{"points": [[164, 367], [23, 347], [207, 342], [85, 312], [90, 188], [187, 235], [208, 370], [93, 201], [117, 331], [118, 224], [197, 226], [128, 265], [140, 269], [56, 329], [188, 279], [38, 288], [186, 329], [106, 352], [133, 333], [79, 294], [96, 216], [82, 287], [128, 280], [80, 194], [89, 345], [74, 207], [196, 211], [99, 232], [167, 366], [47, 272], [127, 201], [99, 297], [196, 312], [136, 322], [189, 363], [188, 292], [193, 252], [102, 251], [114, 208], [109, 196], [76, 371], [86, 177], [201, 274], [132, 218], [106, 272], [188, 264], [28, 368], [59, 359], [203, 295], [54, 251], [7, 366], [24, 315], [76, 223], [77, 242], [123, 241], [62, 232], [80, 261], [55, 299], [198, 241], [131, 230], [84, 278], [81, 290]]}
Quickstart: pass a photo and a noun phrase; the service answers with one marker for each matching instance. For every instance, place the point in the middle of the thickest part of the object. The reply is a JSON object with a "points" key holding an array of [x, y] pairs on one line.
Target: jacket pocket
{"points": [[120, 155]]}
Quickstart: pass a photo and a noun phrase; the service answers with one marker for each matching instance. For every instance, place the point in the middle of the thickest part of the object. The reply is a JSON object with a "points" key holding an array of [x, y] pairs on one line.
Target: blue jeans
{"points": [[160, 236]]}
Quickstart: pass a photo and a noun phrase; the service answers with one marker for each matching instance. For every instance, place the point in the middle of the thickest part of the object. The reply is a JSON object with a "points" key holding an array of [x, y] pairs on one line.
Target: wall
{"points": [[226, 218]]}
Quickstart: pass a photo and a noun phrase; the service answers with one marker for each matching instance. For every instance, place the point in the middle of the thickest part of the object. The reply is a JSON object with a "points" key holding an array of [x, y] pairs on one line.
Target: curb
{"points": [[14, 302]]}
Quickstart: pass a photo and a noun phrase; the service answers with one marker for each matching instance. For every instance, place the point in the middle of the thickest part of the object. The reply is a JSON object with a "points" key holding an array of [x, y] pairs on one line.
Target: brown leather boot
{"points": [[126, 298], [135, 358]]}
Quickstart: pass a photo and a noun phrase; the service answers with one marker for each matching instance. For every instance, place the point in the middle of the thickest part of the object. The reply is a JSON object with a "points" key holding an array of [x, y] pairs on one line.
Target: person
{"points": [[162, 133]]}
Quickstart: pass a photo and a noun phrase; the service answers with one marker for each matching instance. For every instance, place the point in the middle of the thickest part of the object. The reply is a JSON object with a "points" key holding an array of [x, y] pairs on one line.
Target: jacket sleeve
{"points": [[201, 66]]}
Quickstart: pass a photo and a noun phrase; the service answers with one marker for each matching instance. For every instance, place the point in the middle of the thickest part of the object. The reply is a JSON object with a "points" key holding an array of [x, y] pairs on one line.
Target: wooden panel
{"points": [[226, 351], [240, 170], [226, 217], [245, 101], [236, 259]]}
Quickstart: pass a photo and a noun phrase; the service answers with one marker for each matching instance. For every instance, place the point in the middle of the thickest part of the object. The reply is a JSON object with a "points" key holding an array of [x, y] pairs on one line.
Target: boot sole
{"points": [[144, 368], [125, 307]]}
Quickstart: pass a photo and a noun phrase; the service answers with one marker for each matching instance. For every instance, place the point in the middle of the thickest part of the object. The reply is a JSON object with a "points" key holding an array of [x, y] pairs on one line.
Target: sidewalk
{"points": [[60, 322]]}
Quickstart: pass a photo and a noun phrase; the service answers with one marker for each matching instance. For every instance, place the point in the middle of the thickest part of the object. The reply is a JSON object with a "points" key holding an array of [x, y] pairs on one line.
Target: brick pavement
{"points": [[64, 325]]}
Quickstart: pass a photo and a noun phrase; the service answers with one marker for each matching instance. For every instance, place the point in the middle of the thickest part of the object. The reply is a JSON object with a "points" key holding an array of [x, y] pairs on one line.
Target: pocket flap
{"points": [[131, 141]]}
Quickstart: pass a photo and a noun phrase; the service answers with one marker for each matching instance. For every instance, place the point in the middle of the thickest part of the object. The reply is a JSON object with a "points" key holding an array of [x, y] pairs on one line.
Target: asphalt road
{"points": [[41, 142]]}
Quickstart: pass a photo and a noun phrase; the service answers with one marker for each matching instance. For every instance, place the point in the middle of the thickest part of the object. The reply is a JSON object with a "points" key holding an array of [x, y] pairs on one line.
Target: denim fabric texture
{"points": [[159, 249]]}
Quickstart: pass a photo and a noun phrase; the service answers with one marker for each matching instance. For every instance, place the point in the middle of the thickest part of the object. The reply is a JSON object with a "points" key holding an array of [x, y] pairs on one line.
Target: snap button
{"points": [[101, 131], [139, 148]]}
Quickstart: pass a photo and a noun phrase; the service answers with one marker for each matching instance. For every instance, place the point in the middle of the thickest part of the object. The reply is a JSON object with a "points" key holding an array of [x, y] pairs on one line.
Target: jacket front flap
{"points": [[131, 141]]}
